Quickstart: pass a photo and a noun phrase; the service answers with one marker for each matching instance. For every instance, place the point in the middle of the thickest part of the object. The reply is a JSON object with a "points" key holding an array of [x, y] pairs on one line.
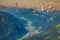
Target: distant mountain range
{"points": [[16, 19]]}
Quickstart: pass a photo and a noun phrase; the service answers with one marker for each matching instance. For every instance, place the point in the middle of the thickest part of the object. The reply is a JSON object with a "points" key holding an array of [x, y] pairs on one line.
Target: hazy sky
{"points": [[25, 2]]}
